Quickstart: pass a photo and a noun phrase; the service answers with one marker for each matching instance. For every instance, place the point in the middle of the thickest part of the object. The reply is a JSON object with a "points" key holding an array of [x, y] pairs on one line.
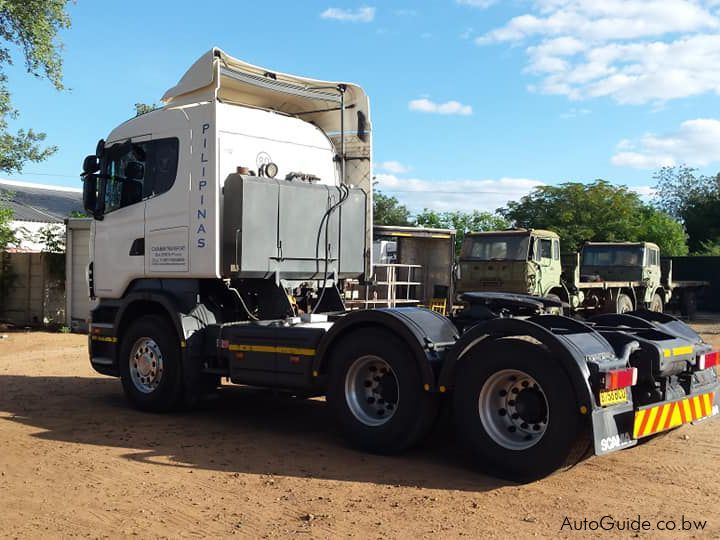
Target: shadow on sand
{"points": [[241, 430]]}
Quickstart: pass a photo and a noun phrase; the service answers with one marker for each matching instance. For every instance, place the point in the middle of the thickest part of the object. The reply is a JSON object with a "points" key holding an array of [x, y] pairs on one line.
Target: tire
{"points": [[688, 304], [623, 303], [656, 304], [155, 383], [408, 411], [502, 443]]}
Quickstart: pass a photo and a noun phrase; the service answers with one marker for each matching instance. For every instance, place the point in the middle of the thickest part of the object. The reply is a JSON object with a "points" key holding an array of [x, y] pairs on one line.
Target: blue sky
{"points": [[473, 101]]}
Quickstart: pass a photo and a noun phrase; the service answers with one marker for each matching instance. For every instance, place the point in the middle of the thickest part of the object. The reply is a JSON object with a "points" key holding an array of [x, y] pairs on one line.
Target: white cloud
{"points": [[483, 4], [363, 14], [449, 107], [394, 167], [645, 192], [449, 195], [574, 113], [696, 142], [633, 51]]}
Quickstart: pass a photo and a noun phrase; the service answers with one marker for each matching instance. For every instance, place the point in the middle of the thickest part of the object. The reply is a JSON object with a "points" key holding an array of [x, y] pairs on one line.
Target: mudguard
{"points": [[426, 333]]}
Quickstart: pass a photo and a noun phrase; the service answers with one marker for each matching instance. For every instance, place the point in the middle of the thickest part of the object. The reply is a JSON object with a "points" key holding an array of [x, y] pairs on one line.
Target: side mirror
{"points": [[134, 170], [91, 165], [90, 194]]}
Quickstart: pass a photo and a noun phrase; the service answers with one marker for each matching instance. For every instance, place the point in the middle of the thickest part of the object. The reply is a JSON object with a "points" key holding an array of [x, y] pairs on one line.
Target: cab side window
{"points": [[135, 171], [545, 249], [556, 250]]}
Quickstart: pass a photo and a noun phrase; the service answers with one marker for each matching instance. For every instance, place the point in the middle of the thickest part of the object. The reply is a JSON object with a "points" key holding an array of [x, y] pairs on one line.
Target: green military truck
{"points": [[603, 277]]}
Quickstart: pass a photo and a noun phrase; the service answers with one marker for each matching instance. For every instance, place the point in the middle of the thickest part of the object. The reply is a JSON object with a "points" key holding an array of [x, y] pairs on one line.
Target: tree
{"points": [[694, 199], [462, 222], [387, 210], [144, 108], [30, 26], [7, 235], [598, 211]]}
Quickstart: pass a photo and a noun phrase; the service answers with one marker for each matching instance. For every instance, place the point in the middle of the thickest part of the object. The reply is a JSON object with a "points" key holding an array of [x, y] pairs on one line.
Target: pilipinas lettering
{"points": [[202, 187]]}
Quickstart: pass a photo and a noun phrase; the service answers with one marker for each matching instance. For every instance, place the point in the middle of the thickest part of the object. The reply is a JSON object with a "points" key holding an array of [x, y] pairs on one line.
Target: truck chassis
{"points": [[531, 392]]}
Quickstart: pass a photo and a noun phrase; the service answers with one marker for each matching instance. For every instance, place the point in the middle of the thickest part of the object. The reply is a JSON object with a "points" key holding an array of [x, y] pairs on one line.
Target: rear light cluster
{"points": [[620, 378], [709, 360]]}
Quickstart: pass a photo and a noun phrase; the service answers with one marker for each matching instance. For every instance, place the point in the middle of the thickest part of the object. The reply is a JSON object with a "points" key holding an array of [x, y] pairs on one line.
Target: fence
{"points": [[32, 288], [703, 269]]}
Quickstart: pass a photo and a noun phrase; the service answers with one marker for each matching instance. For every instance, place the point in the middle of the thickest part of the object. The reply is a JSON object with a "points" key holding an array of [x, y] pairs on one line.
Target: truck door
{"points": [[166, 210], [548, 257], [119, 236]]}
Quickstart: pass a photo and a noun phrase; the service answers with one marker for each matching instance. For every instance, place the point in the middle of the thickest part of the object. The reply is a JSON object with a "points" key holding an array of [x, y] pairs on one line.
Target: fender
{"points": [[571, 357], [425, 332]]}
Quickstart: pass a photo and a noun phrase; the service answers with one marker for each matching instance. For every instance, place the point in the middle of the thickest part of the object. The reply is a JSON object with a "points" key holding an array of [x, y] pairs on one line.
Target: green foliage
{"points": [[8, 236], [388, 211], [694, 199], [144, 108], [598, 212], [709, 248], [666, 232], [30, 26], [462, 222], [78, 214]]}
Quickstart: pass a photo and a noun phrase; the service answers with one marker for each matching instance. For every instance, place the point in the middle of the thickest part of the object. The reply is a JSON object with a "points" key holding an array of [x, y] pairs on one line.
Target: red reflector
{"points": [[709, 360], [620, 378]]}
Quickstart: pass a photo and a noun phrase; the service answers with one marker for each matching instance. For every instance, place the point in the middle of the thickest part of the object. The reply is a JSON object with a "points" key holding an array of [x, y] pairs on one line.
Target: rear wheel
{"points": [[623, 303], [517, 412], [150, 364], [376, 393], [656, 304]]}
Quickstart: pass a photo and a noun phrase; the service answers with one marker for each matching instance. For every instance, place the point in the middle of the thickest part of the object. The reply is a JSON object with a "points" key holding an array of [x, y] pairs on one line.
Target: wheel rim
{"points": [[513, 409], [146, 365], [372, 392], [624, 305]]}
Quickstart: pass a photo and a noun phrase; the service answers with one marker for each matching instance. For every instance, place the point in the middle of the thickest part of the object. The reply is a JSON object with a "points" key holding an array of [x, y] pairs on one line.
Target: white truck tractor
{"points": [[225, 225]]}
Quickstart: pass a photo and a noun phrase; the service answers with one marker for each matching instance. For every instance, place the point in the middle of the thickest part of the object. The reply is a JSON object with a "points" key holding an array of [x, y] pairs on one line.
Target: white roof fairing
{"points": [[217, 75]]}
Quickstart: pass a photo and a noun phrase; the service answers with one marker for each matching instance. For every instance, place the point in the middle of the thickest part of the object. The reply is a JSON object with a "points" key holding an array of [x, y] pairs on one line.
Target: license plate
{"points": [[613, 397]]}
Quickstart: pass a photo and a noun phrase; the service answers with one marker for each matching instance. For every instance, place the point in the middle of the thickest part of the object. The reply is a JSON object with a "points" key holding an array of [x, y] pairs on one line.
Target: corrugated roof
{"points": [[36, 202]]}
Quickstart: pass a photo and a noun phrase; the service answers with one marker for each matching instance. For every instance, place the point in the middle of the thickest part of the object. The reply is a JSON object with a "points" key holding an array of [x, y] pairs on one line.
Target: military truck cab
{"points": [[517, 260]]}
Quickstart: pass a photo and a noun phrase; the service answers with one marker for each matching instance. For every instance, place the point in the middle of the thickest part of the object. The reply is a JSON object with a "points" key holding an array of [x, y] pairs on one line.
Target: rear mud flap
{"points": [[612, 428]]}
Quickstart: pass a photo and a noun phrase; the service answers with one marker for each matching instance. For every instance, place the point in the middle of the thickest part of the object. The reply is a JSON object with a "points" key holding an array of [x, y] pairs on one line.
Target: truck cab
{"points": [[518, 261], [620, 261]]}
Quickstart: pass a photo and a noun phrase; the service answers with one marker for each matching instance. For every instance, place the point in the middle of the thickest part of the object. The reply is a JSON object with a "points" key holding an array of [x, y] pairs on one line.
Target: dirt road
{"points": [[76, 461]]}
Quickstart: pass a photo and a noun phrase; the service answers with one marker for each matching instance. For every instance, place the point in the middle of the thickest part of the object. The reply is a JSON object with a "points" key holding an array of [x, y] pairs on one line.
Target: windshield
{"points": [[496, 248], [612, 256]]}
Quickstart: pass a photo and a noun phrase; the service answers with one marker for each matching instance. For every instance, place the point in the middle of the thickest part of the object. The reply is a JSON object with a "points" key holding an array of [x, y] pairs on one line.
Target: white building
{"points": [[37, 206]]}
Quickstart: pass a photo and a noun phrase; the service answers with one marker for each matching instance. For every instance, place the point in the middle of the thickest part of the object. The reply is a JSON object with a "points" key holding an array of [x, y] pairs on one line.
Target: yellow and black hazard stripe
{"points": [[299, 351], [670, 415]]}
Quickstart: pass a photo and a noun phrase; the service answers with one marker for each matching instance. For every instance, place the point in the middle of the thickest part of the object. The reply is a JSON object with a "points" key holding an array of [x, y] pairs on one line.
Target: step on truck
{"points": [[225, 225], [603, 277]]}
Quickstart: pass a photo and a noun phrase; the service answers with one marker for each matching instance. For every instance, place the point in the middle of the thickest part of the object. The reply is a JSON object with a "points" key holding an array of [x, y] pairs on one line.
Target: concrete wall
{"points": [[36, 292]]}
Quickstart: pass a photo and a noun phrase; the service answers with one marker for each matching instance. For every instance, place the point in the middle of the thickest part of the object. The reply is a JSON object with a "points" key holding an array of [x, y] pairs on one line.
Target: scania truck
{"points": [[225, 226]]}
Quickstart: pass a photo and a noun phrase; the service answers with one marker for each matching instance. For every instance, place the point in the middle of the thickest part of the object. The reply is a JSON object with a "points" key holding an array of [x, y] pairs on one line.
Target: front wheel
{"points": [[376, 393], [517, 412], [150, 364], [656, 304]]}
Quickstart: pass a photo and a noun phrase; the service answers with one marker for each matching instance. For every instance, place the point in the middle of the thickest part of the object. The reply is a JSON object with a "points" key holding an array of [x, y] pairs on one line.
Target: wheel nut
{"points": [[502, 412], [524, 425], [503, 393], [512, 429], [371, 400]]}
